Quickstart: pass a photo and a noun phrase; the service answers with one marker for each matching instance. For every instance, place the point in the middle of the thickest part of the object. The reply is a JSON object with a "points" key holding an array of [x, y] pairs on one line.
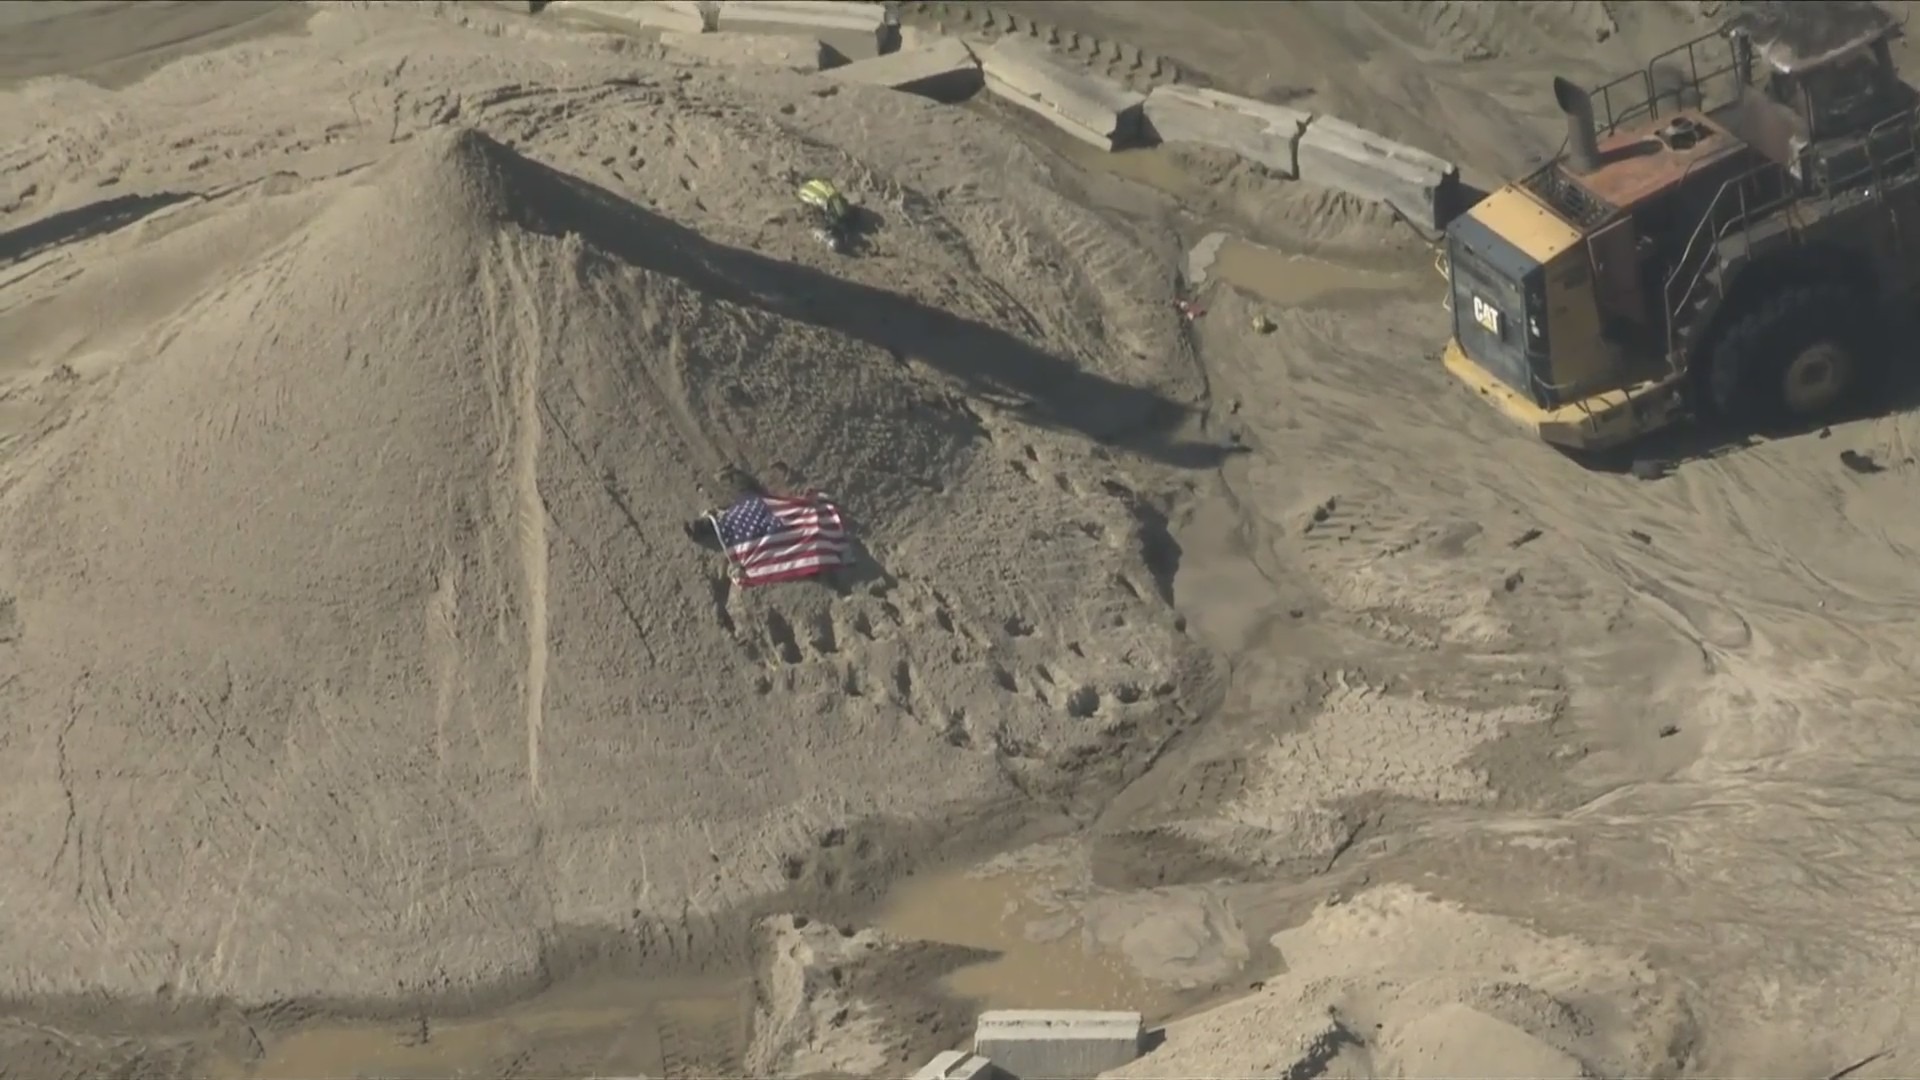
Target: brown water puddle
{"points": [[1151, 166], [678, 1029], [1298, 280], [459, 1050], [684, 1028], [1044, 960], [599, 1029], [1272, 275]]}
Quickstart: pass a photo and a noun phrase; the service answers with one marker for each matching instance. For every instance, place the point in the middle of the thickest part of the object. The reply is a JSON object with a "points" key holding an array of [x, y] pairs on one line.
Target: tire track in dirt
{"points": [[1476, 30], [1781, 818], [443, 657], [700, 1037], [529, 508]]}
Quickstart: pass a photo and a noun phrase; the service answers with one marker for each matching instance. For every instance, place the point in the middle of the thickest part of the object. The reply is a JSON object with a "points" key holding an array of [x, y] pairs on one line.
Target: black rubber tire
{"points": [[1749, 362]]}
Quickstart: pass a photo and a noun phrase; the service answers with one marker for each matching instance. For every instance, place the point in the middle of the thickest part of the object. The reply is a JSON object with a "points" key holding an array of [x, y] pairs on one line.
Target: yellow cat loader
{"points": [[1723, 248]]}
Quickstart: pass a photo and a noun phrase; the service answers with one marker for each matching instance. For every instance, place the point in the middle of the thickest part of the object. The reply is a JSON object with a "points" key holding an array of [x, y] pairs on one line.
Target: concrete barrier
{"points": [[1268, 135], [1335, 154], [958, 1065], [685, 16], [917, 37], [1085, 106], [795, 53], [1119, 61], [1048, 1044], [944, 71], [856, 30]]}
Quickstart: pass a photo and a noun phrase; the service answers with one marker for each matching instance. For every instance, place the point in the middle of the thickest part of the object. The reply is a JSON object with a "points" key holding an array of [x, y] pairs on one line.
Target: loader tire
{"points": [[1800, 354]]}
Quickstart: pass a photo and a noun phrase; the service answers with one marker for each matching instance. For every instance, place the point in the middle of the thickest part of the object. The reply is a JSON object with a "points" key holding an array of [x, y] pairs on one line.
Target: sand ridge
{"points": [[1393, 983]]}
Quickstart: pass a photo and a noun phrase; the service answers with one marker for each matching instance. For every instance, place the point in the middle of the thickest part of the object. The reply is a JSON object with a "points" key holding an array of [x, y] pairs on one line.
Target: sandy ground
{"points": [[433, 409], [364, 368]]}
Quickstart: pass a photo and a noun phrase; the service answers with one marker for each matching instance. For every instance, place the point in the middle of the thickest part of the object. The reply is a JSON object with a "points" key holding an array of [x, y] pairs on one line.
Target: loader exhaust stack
{"points": [[1583, 145]]}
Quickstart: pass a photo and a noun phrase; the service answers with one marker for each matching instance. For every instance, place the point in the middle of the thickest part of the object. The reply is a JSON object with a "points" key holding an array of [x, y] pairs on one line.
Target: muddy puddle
{"points": [[602, 1028], [1277, 277], [1149, 166], [1047, 957], [1281, 278], [1289, 280]]}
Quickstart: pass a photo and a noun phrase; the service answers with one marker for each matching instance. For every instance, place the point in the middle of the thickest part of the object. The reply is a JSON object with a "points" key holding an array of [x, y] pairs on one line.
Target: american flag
{"points": [[774, 538]]}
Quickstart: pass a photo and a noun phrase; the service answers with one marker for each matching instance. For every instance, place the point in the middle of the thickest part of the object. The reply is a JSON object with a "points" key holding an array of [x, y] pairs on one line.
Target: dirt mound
{"points": [[834, 1000], [1394, 983], [361, 600], [1476, 30], [424, 345]]}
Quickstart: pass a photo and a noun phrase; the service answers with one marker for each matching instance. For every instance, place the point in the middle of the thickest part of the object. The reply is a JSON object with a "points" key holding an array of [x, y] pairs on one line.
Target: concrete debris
{"points": [[1200, 260], [1094, 110], [685, 16], [1057, 1044], [1335, 154], [958, 1065], [857, 31], [1267, 135], [777, 51], [946, 70]]}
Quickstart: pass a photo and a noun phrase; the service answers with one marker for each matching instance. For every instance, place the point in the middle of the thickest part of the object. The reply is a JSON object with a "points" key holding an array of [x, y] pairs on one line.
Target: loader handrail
{"points": [[1715, 224], [1643, 99], [1900, 133]]}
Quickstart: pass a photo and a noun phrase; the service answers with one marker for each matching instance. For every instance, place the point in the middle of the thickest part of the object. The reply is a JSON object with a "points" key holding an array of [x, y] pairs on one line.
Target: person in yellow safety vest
{"points": [[832, 214]]}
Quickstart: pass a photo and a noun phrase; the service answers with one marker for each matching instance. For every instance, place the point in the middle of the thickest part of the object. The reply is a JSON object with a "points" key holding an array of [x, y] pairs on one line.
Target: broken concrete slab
{"points": [[945, 71], [795, 53], [1057, 1044], [858, 31], [1267, 135], [916, 37], [958, 1065], [1198, 264], [685, 16], [1089, 108], [1335, 154]]}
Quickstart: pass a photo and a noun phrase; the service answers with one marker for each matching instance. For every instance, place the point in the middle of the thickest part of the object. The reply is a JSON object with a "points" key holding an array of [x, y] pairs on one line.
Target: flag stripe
{"points": [[771, 573], [777, 552], [784, 538]]}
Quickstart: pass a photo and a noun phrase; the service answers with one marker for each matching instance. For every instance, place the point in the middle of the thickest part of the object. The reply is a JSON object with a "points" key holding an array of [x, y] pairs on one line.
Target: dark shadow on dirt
{"points": [[83, 223], [640, 967], [863, 225], [1043, 389], [1456, 199], [1158, 548]]}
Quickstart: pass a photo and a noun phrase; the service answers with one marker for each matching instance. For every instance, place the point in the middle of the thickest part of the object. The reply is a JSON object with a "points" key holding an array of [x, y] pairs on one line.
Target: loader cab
{"points": [[1842, 97], [1839, 90], [1820, 88]]}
